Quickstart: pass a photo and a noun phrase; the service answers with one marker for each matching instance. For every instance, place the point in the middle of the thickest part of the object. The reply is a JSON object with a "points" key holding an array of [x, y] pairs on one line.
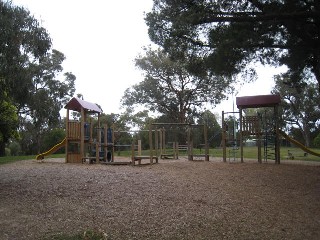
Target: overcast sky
{"points": [[100, 40]]}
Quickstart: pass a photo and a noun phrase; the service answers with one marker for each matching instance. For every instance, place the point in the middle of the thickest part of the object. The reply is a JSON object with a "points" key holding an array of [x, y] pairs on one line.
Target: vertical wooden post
{"points": [[224, 147], [205, 130], [91, 132], [277, 142], [67, 137], [241, 135], [98, 140], [156, 137], [150, 144], [132, 152], [112, 156], [161, 141], [105, 145], [190, 144], [139, 147], [82, 122], [175, 150], [259, 147], [164, 140]]}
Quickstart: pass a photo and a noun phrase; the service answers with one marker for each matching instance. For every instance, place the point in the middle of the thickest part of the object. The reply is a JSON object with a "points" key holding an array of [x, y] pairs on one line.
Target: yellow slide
{"points": [[298, 144], [52, 150]]}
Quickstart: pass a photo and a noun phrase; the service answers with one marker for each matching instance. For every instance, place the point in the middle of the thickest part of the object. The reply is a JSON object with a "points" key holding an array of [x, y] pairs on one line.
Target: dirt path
{"points": [[171, 200]]}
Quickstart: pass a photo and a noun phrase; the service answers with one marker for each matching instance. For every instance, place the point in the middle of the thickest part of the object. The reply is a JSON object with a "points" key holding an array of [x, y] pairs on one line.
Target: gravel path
{"points": [[170, 200]]}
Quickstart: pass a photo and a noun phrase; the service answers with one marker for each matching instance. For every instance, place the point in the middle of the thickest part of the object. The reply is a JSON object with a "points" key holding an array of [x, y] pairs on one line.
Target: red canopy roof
{"points": [[76, 104], [258, 101]]}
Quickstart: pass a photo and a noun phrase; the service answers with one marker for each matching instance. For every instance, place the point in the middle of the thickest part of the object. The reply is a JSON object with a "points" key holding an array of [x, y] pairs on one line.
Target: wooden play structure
{"points": [[79, 133], [251, 126], [81, 146], [160, 142]]}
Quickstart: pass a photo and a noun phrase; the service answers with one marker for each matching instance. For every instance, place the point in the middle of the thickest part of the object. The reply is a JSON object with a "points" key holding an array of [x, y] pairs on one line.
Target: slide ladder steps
{"points": [[269, 147]]}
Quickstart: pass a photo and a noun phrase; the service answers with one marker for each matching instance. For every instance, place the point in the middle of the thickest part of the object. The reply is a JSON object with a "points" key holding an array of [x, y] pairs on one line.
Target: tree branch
{"points": [[219, 17]]}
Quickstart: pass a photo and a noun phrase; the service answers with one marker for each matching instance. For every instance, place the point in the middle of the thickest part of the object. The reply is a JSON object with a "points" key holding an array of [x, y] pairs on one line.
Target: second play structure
{"points": [[265, 130], [250, 127]]}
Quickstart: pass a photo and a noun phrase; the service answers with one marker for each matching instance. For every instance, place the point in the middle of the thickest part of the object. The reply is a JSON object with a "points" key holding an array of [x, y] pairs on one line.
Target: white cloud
{"points": [[100, 40]]}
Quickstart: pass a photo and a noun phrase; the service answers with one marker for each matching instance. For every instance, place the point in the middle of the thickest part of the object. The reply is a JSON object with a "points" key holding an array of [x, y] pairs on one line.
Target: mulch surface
{"points": [[175, 199]]}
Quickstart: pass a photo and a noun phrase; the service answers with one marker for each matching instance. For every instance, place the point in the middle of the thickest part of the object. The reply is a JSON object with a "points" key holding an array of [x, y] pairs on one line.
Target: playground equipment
{"points": [[298, 144], [251, 126], [230, 134], [161, 148], [80, 133], [263, 128], [136, 146], [260, 101], [79, 141], [52, 150]]}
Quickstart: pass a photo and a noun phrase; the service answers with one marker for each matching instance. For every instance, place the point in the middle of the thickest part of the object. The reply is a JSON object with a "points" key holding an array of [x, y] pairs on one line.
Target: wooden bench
{"points": [[200, 157], [91, 159], [139, 158], [166, 155]]}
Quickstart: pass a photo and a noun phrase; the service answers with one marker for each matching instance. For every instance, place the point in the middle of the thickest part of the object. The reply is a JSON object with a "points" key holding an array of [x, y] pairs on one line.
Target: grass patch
{"points": [[248, 152], [252, 152], [11, 159]]}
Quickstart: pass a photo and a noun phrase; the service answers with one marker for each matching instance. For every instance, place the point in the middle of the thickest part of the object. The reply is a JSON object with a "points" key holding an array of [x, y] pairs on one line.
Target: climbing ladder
{"points": [[269, 137], [269, 147]]}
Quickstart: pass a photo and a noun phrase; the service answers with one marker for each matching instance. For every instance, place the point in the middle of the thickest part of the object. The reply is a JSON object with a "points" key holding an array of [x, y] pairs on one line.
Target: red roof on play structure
{"points": [[258, 101], [76, 104]]}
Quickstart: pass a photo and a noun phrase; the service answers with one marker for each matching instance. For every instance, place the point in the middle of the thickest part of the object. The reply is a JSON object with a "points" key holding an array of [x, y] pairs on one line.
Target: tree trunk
{"points": [[306, 135], [2, 149]]}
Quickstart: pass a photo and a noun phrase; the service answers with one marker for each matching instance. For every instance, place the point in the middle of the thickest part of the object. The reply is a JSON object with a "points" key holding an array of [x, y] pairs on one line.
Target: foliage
{"points": [[213, 128], [15, 148], [49, 94], [52, 138], [22, 40], [316, 141], [28, 137], [7, 152], [170, 90], [300, 105], [226, 36], [8, 122], [30, 72]]}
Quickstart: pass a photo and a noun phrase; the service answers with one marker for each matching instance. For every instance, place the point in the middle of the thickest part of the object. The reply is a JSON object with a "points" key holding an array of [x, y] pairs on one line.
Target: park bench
{"points": [[140, 158]]}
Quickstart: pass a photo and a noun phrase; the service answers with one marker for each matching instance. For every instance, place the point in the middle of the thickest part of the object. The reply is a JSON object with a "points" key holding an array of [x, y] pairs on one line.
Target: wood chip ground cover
{"points": [[170, 200]]}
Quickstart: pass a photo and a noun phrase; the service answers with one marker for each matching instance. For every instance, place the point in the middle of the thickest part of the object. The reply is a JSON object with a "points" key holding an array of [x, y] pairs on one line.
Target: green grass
{"points": [[10, 159], [252, 152], [249, 152]]}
